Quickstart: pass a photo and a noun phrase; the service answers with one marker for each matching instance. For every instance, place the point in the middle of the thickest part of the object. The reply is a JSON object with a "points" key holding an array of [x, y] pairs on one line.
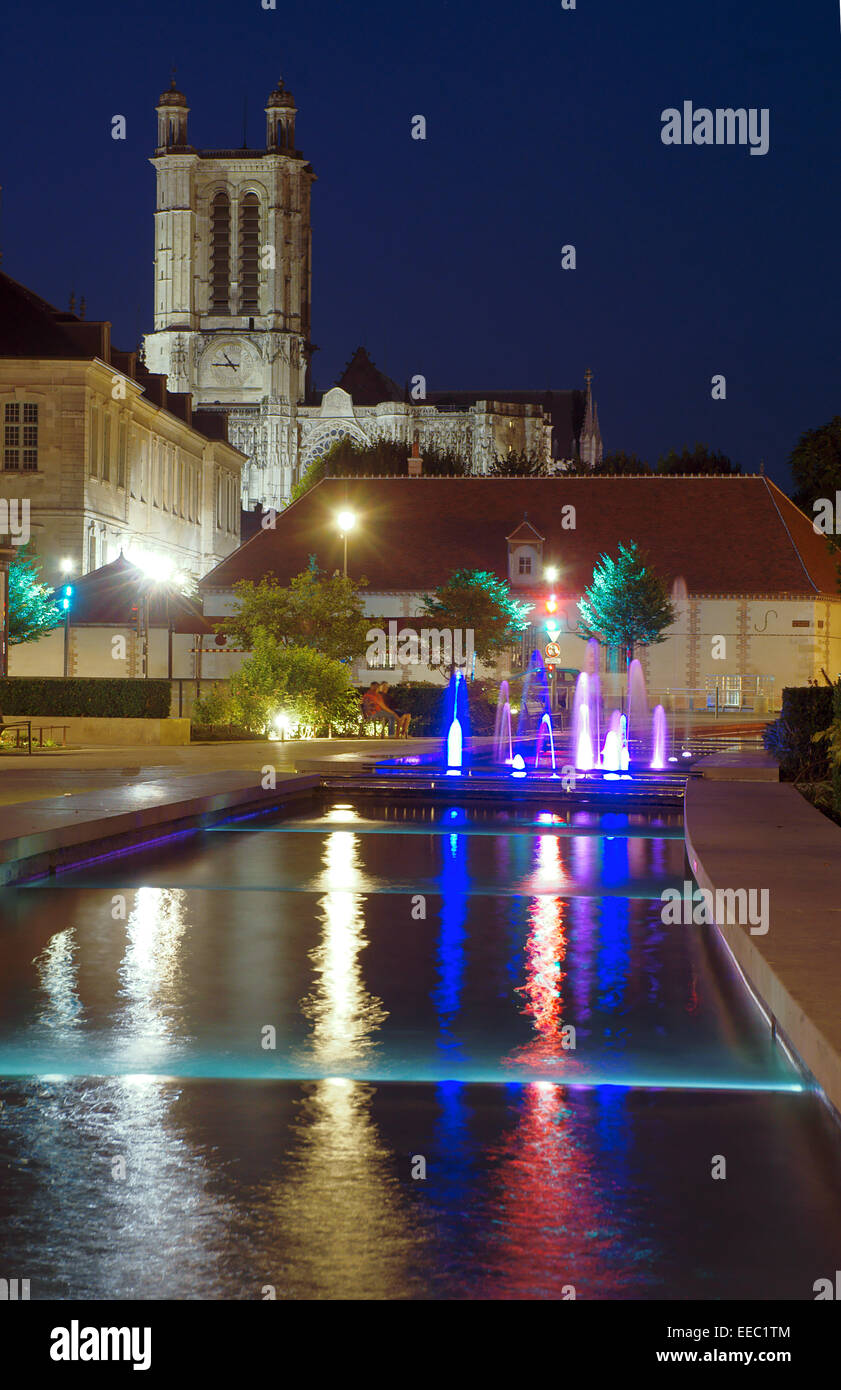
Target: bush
{"points": [[107, 698], [425, 703], [806, 710]]}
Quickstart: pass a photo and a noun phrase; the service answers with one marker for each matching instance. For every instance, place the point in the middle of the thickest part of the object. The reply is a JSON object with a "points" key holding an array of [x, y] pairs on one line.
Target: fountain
{"points": [[659, 736], [637, 707], [584, 757], [545, 723], [503, 719], [455, 721]]}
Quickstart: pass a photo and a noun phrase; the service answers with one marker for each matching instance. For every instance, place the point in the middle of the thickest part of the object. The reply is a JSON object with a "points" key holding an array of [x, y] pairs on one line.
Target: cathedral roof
{"points": [[722, 535], [172, 96], [365, 383], [565, 408]]}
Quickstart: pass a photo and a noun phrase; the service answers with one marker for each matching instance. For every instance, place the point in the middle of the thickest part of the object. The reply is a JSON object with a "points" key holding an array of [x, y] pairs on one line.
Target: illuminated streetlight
{"points": [[67, 566], [346, 522], [551, 573]]}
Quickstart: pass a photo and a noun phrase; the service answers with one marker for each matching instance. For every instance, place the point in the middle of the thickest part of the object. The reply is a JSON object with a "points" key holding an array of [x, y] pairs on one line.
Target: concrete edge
{"points": [[813, 1052], [34, 856]]}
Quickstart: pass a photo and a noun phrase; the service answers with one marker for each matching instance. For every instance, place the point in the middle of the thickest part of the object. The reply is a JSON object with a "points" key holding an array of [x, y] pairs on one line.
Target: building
{"points": [[122, 623], [754, 586], [233, 284], [232, 322], [104, 458]]}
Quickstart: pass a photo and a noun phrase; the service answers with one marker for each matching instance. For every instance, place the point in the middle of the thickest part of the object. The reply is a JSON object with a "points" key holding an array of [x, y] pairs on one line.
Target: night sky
{"points": [[444, 257]]}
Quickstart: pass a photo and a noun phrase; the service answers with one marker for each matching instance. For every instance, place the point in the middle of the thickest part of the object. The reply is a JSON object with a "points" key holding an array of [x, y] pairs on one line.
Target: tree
{"points": [[626, 603], [33, 610], [701, 459], [620, 463], [477, 601], [302, 686], [520, 465], [815, 464], [384, 458], [313, 611]]}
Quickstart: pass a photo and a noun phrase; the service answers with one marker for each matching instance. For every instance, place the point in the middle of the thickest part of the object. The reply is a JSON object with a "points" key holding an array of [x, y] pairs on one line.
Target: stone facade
{"points": [[233, 277], [233, 285], [112, 471]]}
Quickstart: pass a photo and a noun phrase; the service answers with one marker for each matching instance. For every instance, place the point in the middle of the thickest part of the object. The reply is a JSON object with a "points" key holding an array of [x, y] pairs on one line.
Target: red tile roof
{"points": [[112, 594], [735, 535]]}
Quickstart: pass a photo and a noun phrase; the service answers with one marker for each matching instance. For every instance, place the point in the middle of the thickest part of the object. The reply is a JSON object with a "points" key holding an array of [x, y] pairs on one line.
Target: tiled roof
{"points": [[365, 383], [106, 596], [30, 327], [735, 535]]}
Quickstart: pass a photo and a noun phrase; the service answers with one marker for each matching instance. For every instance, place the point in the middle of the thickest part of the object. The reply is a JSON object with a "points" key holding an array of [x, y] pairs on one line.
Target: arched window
{"points": [[249, 253], [220, 261]]}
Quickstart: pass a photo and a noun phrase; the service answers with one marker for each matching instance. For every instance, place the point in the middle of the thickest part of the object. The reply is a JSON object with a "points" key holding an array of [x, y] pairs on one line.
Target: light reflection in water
{"points": [[343, 1013], [151, 975], [57, 968], [455, 881], [340, 1223]]}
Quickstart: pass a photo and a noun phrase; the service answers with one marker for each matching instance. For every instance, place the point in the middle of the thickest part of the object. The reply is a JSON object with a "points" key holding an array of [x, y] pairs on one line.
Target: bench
{"points": [[18, 725]]}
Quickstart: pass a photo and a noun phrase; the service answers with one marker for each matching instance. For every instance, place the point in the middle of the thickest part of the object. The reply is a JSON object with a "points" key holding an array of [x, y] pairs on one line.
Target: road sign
{"points": [[551, 652]]}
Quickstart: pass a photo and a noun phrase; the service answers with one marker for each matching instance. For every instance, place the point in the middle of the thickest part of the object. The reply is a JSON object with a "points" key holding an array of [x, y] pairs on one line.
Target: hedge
{"points": [[425, 703], [806, 710], [109, 697]]}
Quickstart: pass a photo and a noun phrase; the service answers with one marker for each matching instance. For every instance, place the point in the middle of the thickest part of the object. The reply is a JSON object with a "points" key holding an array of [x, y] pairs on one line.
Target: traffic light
{"points": [[551, 623], [67, 595]]}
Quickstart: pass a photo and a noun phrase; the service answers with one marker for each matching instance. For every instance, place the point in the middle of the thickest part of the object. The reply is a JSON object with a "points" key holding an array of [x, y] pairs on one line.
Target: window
{"points": [[154, 482], [91, 550], [525, 564], [196, 494], [220, 258], [94, 444], [20, 437], [249, 253], [143, 462], [121, 455], [219, 501], [165, 466], [106, 449]]}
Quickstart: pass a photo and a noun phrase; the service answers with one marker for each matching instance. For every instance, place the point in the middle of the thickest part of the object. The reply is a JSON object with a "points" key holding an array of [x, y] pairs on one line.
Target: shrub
{"points": [[212, 708], [806, 711], [109, 697]]}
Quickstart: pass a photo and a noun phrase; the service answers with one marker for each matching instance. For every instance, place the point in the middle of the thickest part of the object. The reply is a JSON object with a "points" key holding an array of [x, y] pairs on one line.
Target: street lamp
{"points": [[551, 573], [346, 521], [66, 600]]}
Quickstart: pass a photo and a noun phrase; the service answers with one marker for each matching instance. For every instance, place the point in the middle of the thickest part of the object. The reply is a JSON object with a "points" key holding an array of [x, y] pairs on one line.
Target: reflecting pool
{"points": [[367, 1050]]}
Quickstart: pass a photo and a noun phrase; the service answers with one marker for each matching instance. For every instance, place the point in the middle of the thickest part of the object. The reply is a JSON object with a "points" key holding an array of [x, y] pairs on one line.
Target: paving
{"points": [[764, 835], [748, 765]]}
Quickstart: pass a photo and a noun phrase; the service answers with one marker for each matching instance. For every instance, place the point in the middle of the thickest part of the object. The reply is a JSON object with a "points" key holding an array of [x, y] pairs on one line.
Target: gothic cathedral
{"points": [[233, 285]]}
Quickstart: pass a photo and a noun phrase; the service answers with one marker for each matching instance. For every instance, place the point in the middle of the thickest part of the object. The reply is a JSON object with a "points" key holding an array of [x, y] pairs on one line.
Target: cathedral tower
{"points": [[233, 253]]}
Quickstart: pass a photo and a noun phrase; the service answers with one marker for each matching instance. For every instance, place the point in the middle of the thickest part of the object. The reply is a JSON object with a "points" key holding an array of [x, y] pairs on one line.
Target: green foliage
{"points": [[619, 463], [211, 708], [831, 738], [626, 603], [795, 738], [477, 600], [815, 464], [385, 458], [313, 611], [310, 689], [701, 459], [33, 610], [308, 479], [110, 697], [520, 465]]}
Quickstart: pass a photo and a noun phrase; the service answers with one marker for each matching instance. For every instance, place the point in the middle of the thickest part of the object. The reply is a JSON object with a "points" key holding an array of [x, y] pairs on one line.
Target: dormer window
{"points": [[525, 564]]}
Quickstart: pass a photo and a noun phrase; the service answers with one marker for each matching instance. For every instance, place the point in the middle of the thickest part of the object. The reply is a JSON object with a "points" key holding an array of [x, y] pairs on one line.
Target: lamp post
{"points": [[66, 598], [347, 521]]}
